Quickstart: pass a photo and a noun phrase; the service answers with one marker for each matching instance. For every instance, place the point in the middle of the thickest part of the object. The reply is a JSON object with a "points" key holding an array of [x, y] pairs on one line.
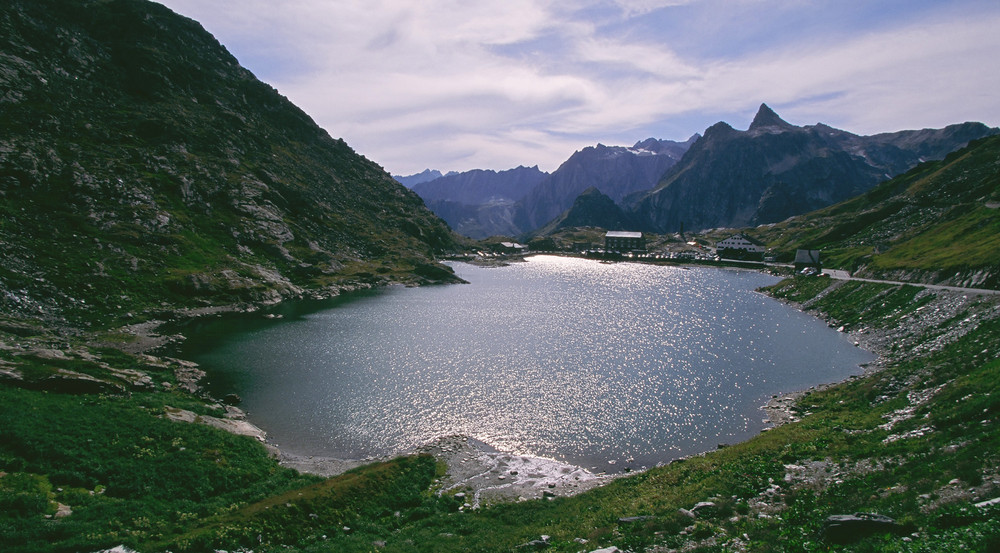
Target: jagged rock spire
{"points": [[767, 118]]}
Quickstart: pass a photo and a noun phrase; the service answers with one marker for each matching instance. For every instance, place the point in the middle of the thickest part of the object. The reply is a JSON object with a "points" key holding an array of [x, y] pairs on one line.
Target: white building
{"points": [[623, 241], [740, 242]]}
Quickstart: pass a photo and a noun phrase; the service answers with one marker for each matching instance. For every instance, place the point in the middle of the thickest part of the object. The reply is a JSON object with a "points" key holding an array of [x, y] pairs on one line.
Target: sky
{"points": [[456, 85]]}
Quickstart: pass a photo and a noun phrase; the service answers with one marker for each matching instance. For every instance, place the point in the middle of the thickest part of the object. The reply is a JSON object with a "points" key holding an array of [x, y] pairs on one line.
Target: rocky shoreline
{"points": [[911, 335], [475, 473]]}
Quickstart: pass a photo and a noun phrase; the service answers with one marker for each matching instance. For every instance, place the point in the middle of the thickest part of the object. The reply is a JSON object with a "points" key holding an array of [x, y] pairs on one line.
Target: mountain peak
{"points": [[719, 129], [766, 118]]}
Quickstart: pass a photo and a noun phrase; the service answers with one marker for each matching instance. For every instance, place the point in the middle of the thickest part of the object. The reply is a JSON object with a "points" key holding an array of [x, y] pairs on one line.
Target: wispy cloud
{"points": [[460, 85]]}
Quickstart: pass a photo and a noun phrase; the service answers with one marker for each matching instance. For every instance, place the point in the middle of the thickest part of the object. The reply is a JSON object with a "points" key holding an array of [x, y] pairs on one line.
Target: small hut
{"points": [[807, 258]]}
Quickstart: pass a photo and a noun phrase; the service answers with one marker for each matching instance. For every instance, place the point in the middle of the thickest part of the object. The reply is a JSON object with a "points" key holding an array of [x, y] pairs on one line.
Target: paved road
{"points": [[844, 275]]}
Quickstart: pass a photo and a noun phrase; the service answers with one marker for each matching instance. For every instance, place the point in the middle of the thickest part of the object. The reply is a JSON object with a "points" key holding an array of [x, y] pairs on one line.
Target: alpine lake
{"points": [[608, 366]]}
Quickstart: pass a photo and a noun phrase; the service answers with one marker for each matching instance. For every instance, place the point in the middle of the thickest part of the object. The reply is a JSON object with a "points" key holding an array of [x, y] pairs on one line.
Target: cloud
{"points": [[633, 8], [924, 75], [460, 85]]}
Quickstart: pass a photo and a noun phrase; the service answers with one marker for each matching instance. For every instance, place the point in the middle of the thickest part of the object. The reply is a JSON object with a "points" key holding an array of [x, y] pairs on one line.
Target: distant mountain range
{"points": [[486, 203], [726, 178], [616, 171], [480, 203], [423, 176]]}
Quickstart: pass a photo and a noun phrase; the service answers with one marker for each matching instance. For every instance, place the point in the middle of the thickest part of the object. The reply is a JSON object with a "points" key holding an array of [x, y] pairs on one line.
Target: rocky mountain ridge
{"points": [[774, 170], [143, 168], [481, 203], [725, 178]]}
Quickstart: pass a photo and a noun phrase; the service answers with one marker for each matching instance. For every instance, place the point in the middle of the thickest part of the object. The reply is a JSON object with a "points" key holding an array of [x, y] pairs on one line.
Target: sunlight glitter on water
{"points": [[557, 357]]}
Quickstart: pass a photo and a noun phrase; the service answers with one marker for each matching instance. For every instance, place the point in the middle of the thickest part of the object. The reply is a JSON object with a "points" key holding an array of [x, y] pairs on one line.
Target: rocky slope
{"points": [[775, 170], [142, 167]]}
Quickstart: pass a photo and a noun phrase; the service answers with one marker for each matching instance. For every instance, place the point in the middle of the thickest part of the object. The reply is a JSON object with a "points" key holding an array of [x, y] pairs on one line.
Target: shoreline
{"points": [[475, 472]]}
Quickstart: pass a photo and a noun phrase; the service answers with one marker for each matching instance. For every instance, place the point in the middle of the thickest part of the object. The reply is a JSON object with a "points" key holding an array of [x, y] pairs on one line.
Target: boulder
{"points": [[536, 544], [704, 508], [72, 382], [843, 529]]}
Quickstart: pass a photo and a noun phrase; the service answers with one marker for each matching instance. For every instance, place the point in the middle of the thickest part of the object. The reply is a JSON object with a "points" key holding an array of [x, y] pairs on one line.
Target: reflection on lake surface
{"points": [[557, 357]]}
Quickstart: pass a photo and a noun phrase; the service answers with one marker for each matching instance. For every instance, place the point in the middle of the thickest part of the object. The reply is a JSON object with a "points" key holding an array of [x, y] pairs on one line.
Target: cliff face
{"points": [[775, 170], [140, 165]]}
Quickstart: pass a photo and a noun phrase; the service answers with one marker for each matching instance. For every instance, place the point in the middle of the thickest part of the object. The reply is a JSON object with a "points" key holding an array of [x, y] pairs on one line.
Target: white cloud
{"points": [[633, 8], [459, 85]]}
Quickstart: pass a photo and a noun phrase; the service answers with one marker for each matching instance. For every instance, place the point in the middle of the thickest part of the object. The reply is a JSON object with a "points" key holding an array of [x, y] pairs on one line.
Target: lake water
{"points": [[605, 366]]}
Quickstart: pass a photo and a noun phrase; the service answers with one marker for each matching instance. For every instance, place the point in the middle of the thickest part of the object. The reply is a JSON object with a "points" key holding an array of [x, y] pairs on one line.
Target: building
{"points": [[623, 241], [740, 246], [509, 248], [807, 258]]}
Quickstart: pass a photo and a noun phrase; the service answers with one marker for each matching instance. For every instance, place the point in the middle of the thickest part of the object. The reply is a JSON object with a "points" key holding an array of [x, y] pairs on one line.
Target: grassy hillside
{"points": [[939, 223]]}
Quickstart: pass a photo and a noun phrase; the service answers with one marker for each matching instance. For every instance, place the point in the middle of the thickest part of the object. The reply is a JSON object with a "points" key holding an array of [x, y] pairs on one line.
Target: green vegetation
{"points": [[938, 222], [128, 474], [916, 441]]}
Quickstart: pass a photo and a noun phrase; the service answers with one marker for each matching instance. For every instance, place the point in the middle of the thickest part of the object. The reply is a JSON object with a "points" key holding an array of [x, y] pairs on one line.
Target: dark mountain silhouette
{"points": [[591, 209]]}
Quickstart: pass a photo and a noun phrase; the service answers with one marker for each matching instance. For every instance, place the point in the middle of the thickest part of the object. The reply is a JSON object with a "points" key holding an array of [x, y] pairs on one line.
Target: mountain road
{"points": [[844, 275]]}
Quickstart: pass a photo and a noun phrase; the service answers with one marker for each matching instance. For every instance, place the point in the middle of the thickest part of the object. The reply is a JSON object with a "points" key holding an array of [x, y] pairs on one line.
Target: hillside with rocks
{"points": [[938, 223], [142, 168]]}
